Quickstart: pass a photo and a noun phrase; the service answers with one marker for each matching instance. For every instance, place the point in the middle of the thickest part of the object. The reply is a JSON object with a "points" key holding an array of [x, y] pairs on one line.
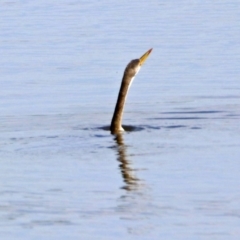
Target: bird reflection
{"points": [[125, 166]]}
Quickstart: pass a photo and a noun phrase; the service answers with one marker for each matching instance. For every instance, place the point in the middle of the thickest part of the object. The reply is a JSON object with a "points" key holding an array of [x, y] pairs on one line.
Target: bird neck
{"points": [[116, 124]]}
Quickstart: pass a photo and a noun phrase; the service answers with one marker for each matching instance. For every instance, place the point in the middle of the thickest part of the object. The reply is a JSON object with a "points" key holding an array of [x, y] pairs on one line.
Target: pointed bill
{"points": [[144, 57]]}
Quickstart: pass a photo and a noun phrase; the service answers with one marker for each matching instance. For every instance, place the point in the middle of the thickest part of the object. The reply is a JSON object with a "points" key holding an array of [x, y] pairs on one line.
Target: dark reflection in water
{"points": [[125, 166]]}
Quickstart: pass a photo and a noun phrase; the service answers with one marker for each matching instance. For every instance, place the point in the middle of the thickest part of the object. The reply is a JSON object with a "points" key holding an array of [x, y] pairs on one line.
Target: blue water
{"points": [[175, 175]]}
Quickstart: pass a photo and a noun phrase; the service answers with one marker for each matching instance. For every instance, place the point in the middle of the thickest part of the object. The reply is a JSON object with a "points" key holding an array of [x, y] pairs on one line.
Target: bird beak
{"points": [[144, 57]]}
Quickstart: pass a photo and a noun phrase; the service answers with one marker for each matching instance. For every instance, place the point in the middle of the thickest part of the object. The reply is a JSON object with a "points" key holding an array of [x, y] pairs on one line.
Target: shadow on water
{"points": [[127, 128], [127, 171], [190, 118], [194, 112]]}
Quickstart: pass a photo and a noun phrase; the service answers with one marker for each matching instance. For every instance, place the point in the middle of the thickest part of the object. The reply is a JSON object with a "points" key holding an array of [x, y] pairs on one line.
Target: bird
{"points": [[130, 72]]}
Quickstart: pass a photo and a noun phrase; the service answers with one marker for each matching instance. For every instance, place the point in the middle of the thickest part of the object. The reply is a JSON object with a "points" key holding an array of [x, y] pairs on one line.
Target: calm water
{"points": [[63, 176]]}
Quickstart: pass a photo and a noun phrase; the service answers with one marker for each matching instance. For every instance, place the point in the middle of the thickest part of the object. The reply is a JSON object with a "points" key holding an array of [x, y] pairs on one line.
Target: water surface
{"points": [[175, 175]]}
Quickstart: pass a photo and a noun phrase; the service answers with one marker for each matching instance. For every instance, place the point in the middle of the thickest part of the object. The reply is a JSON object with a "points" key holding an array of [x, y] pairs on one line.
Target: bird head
{"points": [[134, 66]]}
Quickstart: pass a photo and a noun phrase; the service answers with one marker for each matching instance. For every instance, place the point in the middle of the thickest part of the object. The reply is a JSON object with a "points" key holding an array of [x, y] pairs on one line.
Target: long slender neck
{"points": [[116, 124]]}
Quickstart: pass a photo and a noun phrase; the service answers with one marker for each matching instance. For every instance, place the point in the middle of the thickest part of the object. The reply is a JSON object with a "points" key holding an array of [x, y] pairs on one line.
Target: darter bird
{"points": [[130, 72]]}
